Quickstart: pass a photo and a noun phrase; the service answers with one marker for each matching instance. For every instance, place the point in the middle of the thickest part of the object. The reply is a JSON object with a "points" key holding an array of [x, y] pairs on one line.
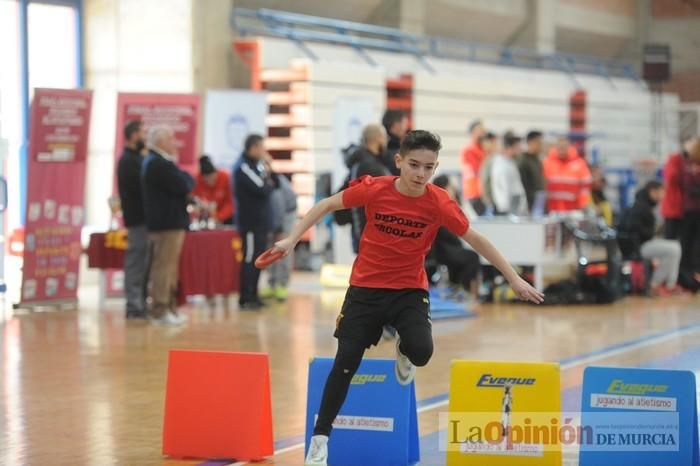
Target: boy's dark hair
{"points": [[490, 136], [420, 139], [510, 139], [134, 126], [441, 181], [252, 140], [652, 185], [533, 135], [391, 117], [206, 166], [474, 124]]}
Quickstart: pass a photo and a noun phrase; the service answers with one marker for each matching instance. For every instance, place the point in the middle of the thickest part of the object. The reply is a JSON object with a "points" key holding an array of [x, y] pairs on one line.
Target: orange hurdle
{"points": [[217, 405]]}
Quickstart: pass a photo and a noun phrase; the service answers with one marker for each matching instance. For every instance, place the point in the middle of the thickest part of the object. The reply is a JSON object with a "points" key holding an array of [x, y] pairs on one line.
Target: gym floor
{"points": [[87, 387]]}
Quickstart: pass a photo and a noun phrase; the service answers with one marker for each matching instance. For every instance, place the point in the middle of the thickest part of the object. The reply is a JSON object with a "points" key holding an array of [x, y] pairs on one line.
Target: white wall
{"points": [[620, 111]]}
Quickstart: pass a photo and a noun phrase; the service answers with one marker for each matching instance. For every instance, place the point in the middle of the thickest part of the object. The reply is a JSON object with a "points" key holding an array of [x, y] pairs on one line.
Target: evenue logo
{"points": [[489, 380], [619, 387]]}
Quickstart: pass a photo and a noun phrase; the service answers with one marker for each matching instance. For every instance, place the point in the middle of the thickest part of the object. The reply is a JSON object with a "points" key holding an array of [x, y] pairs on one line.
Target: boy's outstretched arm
{"points": [[484, 247], [317, 212]]}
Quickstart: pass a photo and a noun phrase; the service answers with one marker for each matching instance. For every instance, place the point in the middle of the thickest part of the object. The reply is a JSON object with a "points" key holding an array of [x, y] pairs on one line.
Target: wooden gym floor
{"points": [[87, 388]]}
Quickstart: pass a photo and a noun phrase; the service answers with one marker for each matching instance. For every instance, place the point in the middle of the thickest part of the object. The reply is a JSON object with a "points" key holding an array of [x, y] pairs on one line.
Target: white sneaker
{"points": [[318, 451], [181, 318], [167, 320], [404, 368]]}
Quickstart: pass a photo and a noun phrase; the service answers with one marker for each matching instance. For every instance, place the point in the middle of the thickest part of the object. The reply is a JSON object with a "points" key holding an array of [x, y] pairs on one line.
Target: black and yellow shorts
{"points": [[366, 311]]}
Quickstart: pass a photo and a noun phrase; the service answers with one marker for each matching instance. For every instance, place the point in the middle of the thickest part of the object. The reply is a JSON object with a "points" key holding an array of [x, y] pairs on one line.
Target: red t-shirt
{"points": [[399, 232], [220, 193]]}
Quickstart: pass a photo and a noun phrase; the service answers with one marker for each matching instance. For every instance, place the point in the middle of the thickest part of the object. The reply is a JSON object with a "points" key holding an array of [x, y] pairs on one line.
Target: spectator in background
{"points": [[462, 264], [165, 194], [490, 146], [131, 199], [530, 167], [367, 160], [213, 186], [471, 158], [599, 202], [506, 187], [395, 123], [253, 184], [690, 232], [672, 205], [636, 238], [283, 215], [567, 178]]}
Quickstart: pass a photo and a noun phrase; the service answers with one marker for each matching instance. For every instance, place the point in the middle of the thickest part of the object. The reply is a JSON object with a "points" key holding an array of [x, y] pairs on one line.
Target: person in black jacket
{"points": [[463, 264], [165, 194], [395, 123], [252, 186], [636, 232], [367, 160], [129, 183]]}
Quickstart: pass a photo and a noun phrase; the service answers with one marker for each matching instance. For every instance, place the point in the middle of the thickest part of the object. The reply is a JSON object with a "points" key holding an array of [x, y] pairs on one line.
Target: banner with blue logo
{"points": [[229, 117], [377, 424], [640, 417]]}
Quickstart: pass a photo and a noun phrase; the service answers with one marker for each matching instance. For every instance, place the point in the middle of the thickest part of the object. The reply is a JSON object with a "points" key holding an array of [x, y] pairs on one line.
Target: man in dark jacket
{"points": [[367, 160], [530, 166], [129, 183], [165, 194], [636, 233], [252, 185], [395, 123]]}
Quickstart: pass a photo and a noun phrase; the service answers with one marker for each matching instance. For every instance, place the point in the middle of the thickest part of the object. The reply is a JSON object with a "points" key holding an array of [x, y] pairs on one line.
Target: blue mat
{"points": [[441, 308]]}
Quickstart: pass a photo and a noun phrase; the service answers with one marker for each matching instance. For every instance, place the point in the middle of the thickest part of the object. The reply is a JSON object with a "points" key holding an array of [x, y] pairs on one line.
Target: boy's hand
{"points": [[526, 292], [286, 246]]}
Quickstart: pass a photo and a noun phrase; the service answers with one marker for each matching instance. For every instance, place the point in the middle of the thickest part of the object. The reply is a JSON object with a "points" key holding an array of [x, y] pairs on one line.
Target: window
{"points": [[11, 107], [53, 51]]}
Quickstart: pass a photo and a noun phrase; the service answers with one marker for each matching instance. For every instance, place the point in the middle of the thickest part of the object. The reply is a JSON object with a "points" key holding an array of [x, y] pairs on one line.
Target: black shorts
{"points": [[366, 311]]}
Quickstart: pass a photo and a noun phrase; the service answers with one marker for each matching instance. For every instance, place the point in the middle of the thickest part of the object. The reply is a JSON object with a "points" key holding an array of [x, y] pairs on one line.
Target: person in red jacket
{"points": [[213, 186], [690, 232], [672, 205], [568, 178], [472, 156]]}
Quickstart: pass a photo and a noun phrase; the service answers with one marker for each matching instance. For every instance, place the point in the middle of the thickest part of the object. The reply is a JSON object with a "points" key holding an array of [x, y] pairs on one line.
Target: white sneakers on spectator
{"points": [[318, 451], [170, 320]]}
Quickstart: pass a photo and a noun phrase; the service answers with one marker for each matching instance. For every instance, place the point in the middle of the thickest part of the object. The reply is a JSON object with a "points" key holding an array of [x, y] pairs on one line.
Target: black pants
{"points": [[463, 267], [359, 325], [673, 227], [254, 244], [690, 243]]}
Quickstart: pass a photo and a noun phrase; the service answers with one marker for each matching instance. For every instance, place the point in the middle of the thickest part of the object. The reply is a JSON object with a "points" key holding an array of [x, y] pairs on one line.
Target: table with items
{"points": [[209, 265]]}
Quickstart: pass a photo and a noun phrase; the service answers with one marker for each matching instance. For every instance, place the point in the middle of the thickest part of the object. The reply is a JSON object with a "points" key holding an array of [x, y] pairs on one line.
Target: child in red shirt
{"points": [[388, 284], [214, 186]]}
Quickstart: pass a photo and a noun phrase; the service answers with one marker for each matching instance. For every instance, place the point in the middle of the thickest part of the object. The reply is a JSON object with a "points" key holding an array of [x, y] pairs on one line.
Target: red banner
{"points": [[179, 111], [60, 124]]}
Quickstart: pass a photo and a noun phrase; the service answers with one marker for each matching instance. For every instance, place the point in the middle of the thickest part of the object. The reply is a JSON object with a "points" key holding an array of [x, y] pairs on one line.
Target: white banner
{"points": [[230, 116]]}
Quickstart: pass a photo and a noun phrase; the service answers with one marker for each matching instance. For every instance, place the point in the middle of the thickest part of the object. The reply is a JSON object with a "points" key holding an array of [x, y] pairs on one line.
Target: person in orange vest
{"points": [[471, 158], [568, 178], [214, 186]]}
